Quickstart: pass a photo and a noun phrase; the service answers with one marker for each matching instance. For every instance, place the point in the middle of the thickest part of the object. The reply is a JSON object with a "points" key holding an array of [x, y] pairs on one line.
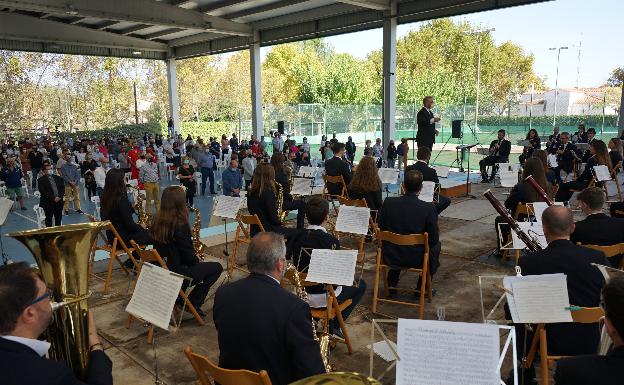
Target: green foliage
{"points": [[206, 130], [564, 120], [134, 130]]}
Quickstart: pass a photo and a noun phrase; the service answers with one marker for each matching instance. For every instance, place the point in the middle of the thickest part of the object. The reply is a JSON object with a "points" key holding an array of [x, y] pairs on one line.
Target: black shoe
{"points": [[66, 212], [79, 212], [129, 264]]}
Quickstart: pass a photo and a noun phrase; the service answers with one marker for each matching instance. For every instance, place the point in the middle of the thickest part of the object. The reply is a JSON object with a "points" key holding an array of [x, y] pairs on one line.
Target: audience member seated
{"points": [[409, 215], [317, 237], [172, 239], [232, 179], [260, 325], [282, 176], [599, 157], [366, 183], [429, 175], [336, 166], [584, 281], [25, 313], [595, 369], [499, 153], [597, 228], [523, 193]]}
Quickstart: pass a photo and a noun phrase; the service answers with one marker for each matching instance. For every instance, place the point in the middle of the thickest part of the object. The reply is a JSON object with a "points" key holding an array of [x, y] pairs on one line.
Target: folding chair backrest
{"points": [[403, 239], [522, 209], [203, 365], [588, 315], [336, 180], [251, 220], [352, 202], [151, 256], [610, 250]]}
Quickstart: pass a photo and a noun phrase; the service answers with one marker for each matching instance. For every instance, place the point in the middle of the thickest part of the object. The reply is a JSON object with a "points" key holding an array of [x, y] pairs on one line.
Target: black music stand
{"points": [[466, 148]]}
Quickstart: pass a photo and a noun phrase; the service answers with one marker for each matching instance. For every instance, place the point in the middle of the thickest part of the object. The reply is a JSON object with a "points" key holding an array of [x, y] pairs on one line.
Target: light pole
{"points": [[478, 33], [556, 82]]}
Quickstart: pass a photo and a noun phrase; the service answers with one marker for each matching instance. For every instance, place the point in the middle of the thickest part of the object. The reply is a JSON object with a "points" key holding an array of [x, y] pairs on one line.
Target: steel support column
{"points": [[256, 87], [172, 86], [389, 73]]}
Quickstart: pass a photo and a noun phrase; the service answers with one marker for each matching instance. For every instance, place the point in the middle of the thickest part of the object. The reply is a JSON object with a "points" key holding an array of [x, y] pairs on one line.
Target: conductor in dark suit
{"points": [[25, 313], [597, 228], [336, 166], [425, 137], [595, 369], [499, 153], [409, 215], [260, 325], [52, 189], [583, 279], [429, 175]]}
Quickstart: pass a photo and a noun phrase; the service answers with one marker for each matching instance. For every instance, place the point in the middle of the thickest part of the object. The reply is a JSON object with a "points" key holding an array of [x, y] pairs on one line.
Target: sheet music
{"points": [[552, 161], [442, 171], [602, 173], [427, 191], [154, 295], [317, 190], [382, 349], [533, 230], [540, 207], [353, 219], [306, 171], [301, 186], [226, 207], [538, 298], [508, 178], [5, 208], [388, 175], [447, 353], [336, 267]]}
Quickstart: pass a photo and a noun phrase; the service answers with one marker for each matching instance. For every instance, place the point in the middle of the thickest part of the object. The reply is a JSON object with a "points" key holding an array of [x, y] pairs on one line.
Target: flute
{"points": [[531, 243], [540, 191]]}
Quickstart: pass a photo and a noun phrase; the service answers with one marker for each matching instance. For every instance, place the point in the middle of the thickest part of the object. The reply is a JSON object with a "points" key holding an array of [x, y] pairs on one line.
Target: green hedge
{"points": [[564, 120], [135, 130], [207, 129]]}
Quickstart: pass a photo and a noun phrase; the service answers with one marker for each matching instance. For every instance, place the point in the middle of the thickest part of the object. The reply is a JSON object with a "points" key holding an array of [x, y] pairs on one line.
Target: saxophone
{"points": [[145, 218], [293, 274], [198, 245]]}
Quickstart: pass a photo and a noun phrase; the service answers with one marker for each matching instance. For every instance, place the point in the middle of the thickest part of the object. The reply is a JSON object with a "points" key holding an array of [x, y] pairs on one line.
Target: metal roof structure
{"points": [[165, 29]]}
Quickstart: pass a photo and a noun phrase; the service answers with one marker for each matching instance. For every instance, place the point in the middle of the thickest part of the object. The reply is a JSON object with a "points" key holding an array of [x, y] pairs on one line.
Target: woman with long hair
{"points": [[116, 208], [262, 198], [615, 151], [365, 183], [534, 143], [186, 175], [599, 157], [282, 176], [171, 232], [542, 155]]}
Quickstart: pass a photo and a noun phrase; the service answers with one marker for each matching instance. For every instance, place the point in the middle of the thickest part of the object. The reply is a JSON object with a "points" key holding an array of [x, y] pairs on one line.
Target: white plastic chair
{"points": [[83, 183], [96, 200], [30, 177], [171, 172], [25, 187], [198, 179], [40, 216]]}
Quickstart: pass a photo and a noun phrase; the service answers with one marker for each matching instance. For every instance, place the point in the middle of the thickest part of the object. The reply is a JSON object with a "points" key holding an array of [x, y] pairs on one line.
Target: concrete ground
{"points": [[468, 238]]}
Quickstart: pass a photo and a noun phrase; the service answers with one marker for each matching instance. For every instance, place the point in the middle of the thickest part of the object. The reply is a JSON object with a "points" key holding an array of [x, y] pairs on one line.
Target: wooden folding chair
{"points": [[425, 285], [521, 209], [243, 235], [585, 315], [116, 249], [152, 256], [204, 368], [610, 251], [344, 193]]}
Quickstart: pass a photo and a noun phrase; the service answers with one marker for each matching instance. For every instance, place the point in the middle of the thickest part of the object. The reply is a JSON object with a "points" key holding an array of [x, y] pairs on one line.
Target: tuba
{"points": [[198, 245], [62, 255], [338, 378]]}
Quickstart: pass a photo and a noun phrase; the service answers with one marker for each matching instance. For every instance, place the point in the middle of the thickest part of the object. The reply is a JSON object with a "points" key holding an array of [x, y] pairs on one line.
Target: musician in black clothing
{"points": [[429, 175], [596, 369], [580, 136], [597, 228], [566, 154], [52, 190], [282, 177], [615, 151], [172, 239], [317, 237], [350, 148], [426, 124], [337, 166], [599, 157], [535, 143], [554, 141], [591, 135], [499, 153], [366, 183]]}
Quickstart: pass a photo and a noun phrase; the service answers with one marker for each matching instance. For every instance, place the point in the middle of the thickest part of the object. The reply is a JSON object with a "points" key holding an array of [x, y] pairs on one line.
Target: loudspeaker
{"points": [[280, 126], [456, 129]]}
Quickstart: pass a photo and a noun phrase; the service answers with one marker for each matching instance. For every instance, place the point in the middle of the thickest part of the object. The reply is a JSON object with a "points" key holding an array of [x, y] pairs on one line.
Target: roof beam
{"points": [[105, 25], [197, 38], [22, 27], [138, 11], [263, 8], [164, 32], [378, 5], [133, 29], [218, 5]]}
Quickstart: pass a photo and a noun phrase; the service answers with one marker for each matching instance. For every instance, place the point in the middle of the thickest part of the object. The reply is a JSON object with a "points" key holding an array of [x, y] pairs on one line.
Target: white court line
{"points": [[25, 217]]}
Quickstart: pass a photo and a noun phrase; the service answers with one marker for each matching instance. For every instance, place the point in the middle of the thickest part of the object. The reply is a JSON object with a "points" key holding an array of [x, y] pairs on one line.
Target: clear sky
{"points": [[599, 24]]}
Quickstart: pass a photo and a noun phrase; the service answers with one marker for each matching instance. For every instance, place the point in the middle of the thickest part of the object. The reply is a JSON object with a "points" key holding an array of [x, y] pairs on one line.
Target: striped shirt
{"points": [[149, 173]]}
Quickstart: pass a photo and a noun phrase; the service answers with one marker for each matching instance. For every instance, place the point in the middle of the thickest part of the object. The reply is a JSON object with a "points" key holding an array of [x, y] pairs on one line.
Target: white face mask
{"points": [[50, 171]]}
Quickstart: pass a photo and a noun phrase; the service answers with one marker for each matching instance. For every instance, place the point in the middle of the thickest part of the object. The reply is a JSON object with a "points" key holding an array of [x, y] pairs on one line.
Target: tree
{"points": [[617, 80]]}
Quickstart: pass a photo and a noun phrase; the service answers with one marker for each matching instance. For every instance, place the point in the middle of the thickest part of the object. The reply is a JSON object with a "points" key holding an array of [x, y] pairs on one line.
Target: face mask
{"points": [[50, 171], [186, 162]]}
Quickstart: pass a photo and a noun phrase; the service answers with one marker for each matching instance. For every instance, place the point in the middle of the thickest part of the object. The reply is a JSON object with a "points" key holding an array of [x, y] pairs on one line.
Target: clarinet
{"points": [[540, 191], [531, 244]]}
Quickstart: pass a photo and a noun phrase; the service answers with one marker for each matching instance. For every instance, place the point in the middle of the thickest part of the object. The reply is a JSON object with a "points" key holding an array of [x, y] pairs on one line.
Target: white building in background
{"points": [[570, 101]]}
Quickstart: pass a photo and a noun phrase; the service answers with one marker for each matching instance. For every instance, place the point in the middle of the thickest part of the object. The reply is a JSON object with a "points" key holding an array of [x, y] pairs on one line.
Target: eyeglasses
{"points": [[47, 294]]}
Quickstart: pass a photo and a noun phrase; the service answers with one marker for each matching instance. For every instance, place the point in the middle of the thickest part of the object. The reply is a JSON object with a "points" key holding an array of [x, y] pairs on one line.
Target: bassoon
{"points": [[530, 243], [540, 191]]}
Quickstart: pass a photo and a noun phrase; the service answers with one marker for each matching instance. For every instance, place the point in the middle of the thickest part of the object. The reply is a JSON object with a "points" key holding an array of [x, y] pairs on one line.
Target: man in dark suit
{"points": [[499, 153], [595, 369], [597, 228], [317, 237], [591, 136], [262, 326], [584, 280], [554, 141], [52, 190], [409, 215], [25, 313], [425, 137], [337, 166], [565, 154], [429, 175]]}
